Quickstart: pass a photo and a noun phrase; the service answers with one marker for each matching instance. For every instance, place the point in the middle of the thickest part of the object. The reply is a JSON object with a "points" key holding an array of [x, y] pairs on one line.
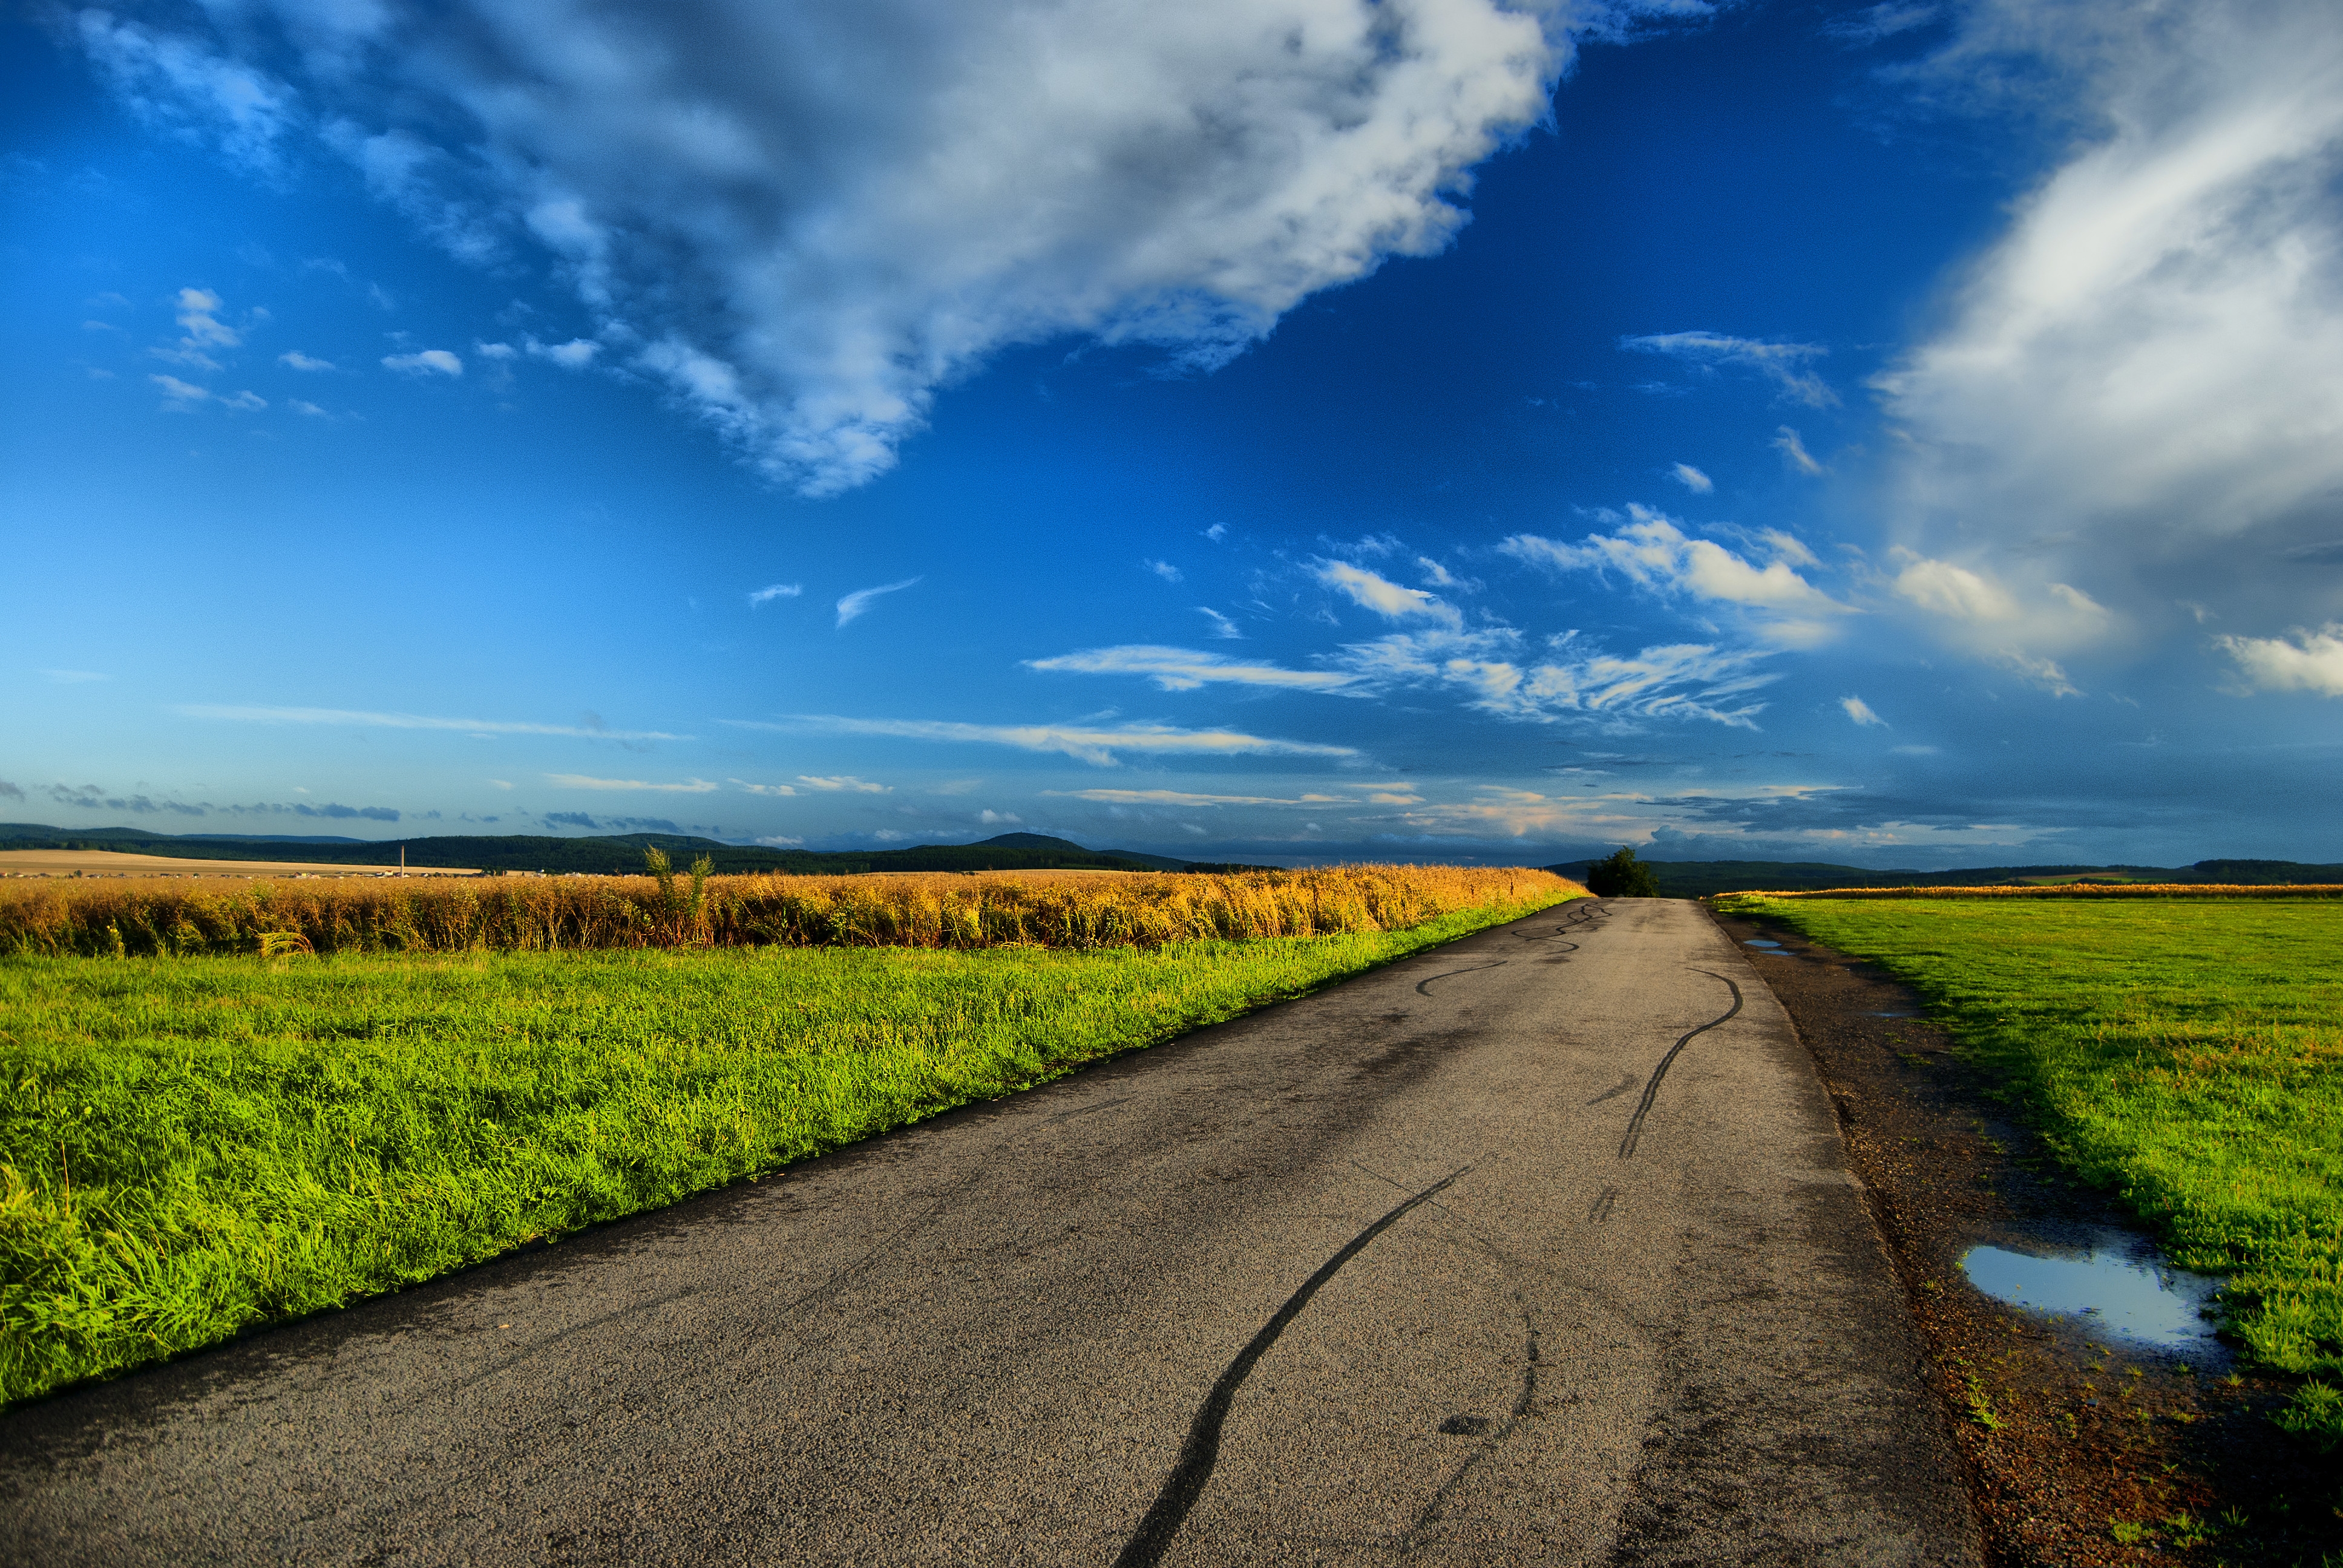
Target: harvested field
{"points": [[914, 909]]}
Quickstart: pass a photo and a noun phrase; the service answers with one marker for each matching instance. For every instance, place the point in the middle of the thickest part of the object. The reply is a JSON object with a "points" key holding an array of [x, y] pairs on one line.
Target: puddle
{"points": [[1761, 942], [2118, 1288], [1891, 1015]]}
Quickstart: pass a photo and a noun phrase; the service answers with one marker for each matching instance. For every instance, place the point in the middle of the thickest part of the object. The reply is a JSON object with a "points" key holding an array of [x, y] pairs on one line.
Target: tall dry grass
{"points": [[558, 913]]}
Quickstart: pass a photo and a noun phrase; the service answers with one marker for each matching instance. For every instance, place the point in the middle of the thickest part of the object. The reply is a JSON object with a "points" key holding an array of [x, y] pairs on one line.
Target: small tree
{"points": [[1622, 877]]}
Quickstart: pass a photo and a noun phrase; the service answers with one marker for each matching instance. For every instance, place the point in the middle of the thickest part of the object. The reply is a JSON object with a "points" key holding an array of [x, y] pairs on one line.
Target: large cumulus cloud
{"points": [[2133, 399], [806, 219]]}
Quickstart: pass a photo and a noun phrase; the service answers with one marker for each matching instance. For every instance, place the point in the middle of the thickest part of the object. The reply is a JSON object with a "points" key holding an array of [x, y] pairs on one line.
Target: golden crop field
{"points": [[933, 910]]}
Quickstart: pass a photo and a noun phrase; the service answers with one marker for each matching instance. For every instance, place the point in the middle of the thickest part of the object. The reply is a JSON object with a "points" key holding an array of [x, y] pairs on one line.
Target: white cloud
{"points": [[772, 591], [254, 715], [183, 395], [1793, 452], [1385, 598], [575, 354], [1783, 364], [300, 406], [781, 841], [992, 819], [1692, 478], [297, 361], [1185, 670], [498, 351], [844, 784], [1860, 711], [430, 362], [854, 604], [199, 316], [1945, 590], [1989, 617], [747, 788], [810, 217], [1217, 532], [1089, 743], [580, 781], [501, 783], [2311, 661], [2142, 367], [1653, 553], [1223, 627], [1164, 569]]}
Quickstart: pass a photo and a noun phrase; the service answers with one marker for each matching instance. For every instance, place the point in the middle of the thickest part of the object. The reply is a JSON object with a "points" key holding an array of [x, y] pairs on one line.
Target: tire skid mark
{"points": [[1652, 1090], [1522, 1401], [1201, 1450], [1468, 969]]}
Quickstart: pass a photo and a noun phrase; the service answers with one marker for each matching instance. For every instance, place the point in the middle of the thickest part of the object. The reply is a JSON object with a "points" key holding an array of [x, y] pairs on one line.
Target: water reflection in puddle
{"points": [[1760, 942], [2118, 1289]]}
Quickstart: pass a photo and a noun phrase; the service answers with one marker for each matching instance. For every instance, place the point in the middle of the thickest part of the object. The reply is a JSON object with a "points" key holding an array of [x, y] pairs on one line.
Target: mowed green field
{"points": [[189, 1146], [2188, 1054]]}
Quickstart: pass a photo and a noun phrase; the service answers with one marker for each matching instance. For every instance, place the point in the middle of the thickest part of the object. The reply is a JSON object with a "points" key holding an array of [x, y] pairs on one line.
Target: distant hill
{"points": [[607, 855], [1698, 879]]}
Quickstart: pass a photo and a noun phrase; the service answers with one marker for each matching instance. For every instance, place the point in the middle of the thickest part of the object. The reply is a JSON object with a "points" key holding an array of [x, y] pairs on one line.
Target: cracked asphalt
{"points": [[1540, 1247]]}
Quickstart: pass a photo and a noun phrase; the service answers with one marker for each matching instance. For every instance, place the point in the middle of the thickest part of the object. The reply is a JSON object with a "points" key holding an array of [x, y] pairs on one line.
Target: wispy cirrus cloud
{"points": [[764, 595], [583, 782], [1371, 591], [181, 395], [243, 714], [844, 784], [1182, 798], [1185, 670], [856, 604], [1098, 744], [1495, 672], [1783, 364]]}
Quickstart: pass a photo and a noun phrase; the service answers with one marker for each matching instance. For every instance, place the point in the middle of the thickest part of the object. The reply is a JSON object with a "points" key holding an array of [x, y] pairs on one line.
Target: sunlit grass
{"points": [[2189, 1054], [192, 1145]]}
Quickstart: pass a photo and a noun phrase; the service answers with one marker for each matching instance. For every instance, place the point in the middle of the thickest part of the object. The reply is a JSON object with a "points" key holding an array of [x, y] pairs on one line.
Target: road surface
{"points": [[1536, 1248]]}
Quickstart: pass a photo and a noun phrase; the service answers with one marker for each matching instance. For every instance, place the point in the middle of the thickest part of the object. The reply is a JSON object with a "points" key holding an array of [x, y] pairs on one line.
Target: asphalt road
{"points": [[1536, 1248]]}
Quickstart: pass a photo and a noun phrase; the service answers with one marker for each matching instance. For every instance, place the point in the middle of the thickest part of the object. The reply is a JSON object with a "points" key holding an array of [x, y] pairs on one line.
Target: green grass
{"points": [[2186, 1053], [191, 1146]]}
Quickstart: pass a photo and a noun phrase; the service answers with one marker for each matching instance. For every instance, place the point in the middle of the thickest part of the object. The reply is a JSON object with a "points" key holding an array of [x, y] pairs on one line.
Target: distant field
{"points": [[2187, 1053], [192, 1145], [115, 863], [924, 909]]}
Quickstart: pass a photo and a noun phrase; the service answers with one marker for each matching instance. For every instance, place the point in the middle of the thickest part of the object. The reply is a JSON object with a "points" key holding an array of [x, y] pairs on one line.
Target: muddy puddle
{"points": [[2113, 1286]]}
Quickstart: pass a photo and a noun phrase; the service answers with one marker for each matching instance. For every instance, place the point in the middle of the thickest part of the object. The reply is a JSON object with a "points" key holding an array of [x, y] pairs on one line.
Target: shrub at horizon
{"points": [[192, 1145], [1622, 876]]}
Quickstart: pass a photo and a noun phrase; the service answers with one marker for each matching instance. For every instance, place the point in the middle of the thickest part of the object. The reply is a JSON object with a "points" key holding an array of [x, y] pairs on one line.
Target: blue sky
{"points": [[1286, 429]]}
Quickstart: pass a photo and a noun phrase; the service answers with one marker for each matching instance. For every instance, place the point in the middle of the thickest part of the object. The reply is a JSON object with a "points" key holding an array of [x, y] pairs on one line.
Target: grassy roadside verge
{"points": [[191, 1146], [2188, 1055]]}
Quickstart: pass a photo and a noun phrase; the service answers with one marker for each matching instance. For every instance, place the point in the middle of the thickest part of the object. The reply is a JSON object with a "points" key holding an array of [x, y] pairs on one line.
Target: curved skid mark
{"points": [[1488, 1445], [1470, 968], [1652, 1090], [1203, 1450]]}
